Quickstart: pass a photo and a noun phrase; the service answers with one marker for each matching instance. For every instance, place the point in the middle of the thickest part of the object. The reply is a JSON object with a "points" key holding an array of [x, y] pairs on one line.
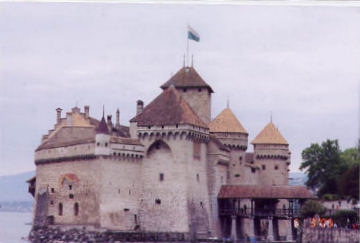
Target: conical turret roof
{"points": [[102, 127], [269, 135], [226, 121], [169, 108], [187, 77]]}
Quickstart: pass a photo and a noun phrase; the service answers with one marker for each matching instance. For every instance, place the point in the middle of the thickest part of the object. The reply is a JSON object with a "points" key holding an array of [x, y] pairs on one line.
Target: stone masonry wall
{"points": [[273, 171], [120, 193], [333, 235], [200, 102], [85, 192], [163, 205], [197, 183]]}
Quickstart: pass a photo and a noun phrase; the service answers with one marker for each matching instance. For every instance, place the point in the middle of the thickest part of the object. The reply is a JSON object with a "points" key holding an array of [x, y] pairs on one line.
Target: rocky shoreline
{"points": [[57, 235]]}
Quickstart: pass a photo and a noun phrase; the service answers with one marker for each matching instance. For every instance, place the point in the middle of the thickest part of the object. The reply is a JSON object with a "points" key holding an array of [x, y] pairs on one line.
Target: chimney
{"points": [[117, 125], [139, 107], [58, 115], [109, 123], [86, 110]]}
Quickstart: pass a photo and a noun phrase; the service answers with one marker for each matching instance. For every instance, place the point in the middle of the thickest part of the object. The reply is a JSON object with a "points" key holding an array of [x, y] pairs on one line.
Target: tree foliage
{"points": [[311, 208], [331, 171]]}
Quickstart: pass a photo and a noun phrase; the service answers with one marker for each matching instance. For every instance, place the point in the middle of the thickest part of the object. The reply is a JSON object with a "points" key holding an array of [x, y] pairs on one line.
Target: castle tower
{"points": [[194, 90], [227, 128], [102, 139], [175, 196], [272, 155]]}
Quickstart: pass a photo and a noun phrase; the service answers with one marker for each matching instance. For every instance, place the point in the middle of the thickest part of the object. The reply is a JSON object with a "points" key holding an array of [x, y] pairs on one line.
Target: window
{"points": [[106, 144], [52, 190], [119, 191], [98, 144], [157, 201], [184, 90], [76, 209], [71, 196], [60, 209], [135, 219], [201, 204], [253, 170], [237, 175], [51, 202], [263, 167], [276, 167], [199, 90], [70, 187], [161, 176], [197, 177], [126, 209]]}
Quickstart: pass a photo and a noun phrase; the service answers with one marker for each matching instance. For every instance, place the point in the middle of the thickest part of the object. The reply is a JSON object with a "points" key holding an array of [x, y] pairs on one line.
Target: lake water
{"points": [[13, 226]]}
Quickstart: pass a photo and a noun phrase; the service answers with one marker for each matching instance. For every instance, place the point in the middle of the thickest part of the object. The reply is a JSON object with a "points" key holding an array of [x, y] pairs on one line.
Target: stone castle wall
{"points": [[65, 151], [166, 197], [120, 191], [85, 192], [273, 170]]}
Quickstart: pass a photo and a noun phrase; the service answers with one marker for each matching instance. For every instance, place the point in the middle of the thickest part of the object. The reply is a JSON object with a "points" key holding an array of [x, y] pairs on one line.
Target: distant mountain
{"points": [[297, 179], [14, 187]]}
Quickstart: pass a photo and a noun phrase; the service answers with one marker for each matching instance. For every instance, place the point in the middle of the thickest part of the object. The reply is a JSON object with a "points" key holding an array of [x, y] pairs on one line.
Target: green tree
{"points": [[323, 165], [349, 182], [351, 156], [311, 208]]}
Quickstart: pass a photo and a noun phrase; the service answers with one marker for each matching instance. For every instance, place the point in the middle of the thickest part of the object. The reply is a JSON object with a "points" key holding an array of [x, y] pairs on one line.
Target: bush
{"points": [[311, 208], [341, 217], [330, 197]]}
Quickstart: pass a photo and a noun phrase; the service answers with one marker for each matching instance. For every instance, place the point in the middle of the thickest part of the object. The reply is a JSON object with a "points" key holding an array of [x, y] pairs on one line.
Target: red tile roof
{"points": [[226, 121], [169, 108], [269, 135], [261, 191], [187, 77]]}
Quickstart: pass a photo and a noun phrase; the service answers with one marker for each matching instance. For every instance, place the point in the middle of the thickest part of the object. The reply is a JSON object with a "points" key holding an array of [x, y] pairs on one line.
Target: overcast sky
{"points": [[301, 63]]}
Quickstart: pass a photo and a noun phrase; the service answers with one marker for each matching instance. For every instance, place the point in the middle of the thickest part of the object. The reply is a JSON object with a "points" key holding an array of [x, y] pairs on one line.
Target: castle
{"points": [[174, 169]]}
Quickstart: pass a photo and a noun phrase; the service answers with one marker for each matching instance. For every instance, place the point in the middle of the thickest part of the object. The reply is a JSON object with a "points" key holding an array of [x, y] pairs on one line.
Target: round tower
{"points": [[102, 139], [272, 155], [227, 128]]}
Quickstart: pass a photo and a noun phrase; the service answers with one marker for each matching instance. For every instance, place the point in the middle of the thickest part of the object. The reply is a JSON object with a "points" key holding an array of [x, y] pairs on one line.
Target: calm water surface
{"points": [[13, 226]]}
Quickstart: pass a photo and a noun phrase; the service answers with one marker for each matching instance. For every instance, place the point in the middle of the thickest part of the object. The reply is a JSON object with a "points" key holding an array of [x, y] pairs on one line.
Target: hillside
{"points": [[15, 188]]}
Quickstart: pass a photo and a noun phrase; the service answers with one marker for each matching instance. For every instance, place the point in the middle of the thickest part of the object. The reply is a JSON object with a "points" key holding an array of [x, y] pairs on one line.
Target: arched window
{"points": [[60, 209], [76, 209]]}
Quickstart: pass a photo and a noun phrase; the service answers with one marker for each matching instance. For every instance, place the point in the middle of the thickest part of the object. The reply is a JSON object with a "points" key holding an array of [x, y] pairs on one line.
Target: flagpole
{"points": [[187, 51]]}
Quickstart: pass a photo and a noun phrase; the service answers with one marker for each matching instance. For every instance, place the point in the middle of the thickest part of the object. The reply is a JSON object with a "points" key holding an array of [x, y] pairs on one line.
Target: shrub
{"points": [[341, 217], [311, 208]]}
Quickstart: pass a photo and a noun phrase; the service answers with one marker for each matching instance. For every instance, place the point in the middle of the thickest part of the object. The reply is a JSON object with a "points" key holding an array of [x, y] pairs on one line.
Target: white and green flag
{"points": [[192, 34]]}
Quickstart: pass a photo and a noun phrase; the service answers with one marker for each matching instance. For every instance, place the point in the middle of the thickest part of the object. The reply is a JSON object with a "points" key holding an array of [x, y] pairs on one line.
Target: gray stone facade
{"points": [[160, 178]]}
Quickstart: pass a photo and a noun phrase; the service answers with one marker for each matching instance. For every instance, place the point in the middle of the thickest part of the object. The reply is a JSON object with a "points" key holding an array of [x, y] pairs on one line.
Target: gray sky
{"points": [[301, 63]]}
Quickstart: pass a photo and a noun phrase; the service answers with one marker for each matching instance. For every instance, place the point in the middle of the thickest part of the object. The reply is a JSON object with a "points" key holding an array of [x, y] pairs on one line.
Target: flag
{"points": [[193, 35]]}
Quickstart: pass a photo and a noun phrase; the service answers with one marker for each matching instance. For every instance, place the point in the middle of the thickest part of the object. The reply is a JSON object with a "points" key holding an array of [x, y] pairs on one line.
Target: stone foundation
{"points": [[60, 234]]}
